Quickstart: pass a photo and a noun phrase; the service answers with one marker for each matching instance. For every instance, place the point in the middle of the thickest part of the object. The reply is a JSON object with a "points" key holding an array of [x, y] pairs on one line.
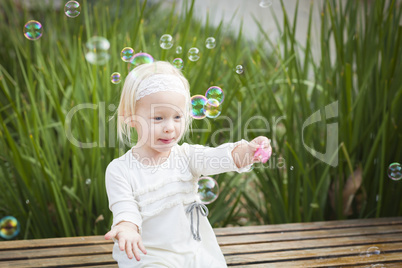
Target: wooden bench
{"points": [[353, 243]]}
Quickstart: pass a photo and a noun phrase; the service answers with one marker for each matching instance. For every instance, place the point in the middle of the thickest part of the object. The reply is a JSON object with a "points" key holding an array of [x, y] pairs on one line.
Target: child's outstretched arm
{"points": [[129, 239], [243, 154]]}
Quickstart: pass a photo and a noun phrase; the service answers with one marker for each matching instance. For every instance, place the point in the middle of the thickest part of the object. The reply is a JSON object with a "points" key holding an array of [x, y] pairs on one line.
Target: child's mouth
{"points": [[166, 141]]}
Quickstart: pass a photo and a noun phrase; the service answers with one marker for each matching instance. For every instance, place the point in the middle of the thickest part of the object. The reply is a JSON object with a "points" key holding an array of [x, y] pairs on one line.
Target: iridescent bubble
{"points": [[193, 54], [215, 93], [239, 69], [115, 78], [197, 103], [97, 50], [178, 63], [127, 54], [372, 251], [210, 43], [179, 50], [395, 171], [166, 41], [33, 30], [212, 108], [72, 9], [265, 3], [208, 190], [142, 58], [88, 181], [9, 227]]}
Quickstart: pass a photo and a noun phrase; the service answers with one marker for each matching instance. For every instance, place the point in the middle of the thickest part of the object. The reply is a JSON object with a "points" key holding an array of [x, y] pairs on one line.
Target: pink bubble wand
{"points": [[262, 154]]}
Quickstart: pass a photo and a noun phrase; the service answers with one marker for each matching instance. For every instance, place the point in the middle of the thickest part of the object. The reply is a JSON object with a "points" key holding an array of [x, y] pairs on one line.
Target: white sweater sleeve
{"points": [[210, 161], [120, 193]]}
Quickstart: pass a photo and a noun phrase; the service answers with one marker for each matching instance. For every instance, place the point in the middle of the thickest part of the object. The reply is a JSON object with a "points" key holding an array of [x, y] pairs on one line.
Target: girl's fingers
{"points": [[136, 252], [129, 250], [122, 243], [109, 235], [141, 247]]}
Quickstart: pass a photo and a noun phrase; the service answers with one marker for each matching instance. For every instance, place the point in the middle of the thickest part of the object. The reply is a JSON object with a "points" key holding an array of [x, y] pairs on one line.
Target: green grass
{"points": [[43, 80]]}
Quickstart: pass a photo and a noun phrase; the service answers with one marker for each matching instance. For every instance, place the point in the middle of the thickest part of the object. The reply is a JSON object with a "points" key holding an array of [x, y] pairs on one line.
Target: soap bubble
{"points": [[142, 58], [395, 171], [215, 93], [115, 78], [372, 251], [265, 3], [193, 54], [127, 54], [239, 69], [33, 30], [198, 102], [210, 43], [179, 50], [88, 181], [9, 227], [212, 108], [178, 63], [72, 9], [208, 190], [166, 41], [97, 50]]}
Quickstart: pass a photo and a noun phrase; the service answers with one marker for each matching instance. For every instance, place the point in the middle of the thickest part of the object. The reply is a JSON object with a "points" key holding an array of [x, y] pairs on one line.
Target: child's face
{"points": [[160, 120]]}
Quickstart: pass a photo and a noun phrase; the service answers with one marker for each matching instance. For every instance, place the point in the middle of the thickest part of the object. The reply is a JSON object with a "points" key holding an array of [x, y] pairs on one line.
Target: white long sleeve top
{"points": [[155, 197]]}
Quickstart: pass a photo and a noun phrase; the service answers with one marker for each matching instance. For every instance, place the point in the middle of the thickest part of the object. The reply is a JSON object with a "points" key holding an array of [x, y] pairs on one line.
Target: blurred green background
{"points": [[56, 188]]}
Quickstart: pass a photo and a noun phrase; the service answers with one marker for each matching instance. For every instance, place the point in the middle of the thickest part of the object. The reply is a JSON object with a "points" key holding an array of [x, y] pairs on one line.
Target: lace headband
{"points": [[161, 82]]}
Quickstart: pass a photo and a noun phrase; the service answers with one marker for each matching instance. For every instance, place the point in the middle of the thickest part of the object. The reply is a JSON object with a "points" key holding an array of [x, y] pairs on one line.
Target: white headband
{"points": [[161, 82]]}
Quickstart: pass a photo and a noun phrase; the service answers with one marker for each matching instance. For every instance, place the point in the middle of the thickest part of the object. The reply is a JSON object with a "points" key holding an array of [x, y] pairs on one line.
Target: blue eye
{"points": [[177, 117], [158, 118]]}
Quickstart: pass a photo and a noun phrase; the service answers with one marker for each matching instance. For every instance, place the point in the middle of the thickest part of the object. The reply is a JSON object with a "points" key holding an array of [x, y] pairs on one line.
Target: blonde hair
{"points": [[126, 108]]}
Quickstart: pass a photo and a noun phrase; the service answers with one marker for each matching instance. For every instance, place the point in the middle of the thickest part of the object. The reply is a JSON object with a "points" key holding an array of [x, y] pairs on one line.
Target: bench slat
{"points": [[357, 252], [305, 226]]}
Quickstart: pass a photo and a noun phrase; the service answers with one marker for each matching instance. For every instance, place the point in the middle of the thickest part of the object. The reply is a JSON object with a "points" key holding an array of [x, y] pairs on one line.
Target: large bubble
{"points": [[97, 50], [208, 190], [33, 30], [9, 227], [197, 106], [212, 108], [216, 93], [166, 41], [72, 9], [127, 54], [115, 78]]}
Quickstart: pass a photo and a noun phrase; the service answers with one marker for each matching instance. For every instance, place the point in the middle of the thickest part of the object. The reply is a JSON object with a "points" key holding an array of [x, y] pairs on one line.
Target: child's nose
{"points": [[169, 126]]}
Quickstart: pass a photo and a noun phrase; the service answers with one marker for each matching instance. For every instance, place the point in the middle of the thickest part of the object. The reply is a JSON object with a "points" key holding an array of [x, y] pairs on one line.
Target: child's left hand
{"points": [[262, 149]]}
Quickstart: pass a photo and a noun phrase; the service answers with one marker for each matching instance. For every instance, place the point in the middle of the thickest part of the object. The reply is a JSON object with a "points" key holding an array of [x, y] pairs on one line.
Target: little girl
{"points": [[152, 188]]}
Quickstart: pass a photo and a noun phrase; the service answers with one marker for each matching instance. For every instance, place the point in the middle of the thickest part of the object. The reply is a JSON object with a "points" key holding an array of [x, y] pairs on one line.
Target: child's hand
{"points": [[262, 149], [129, 239]]}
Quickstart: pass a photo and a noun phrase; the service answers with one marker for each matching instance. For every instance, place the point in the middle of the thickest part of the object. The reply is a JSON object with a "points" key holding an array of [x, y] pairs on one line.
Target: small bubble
{"points": [[9, 227], [395, 171], [166, 41], [27, 201], [33, 30], [372, 251], [208, 190], [291, 167], [115, 78], [88, 181], [127, 54], [193, 54], [72, 9], [179, 50], [178, 63], [265, 3], [314, 205], [112, 107], [210, 43], [239, 69]]}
